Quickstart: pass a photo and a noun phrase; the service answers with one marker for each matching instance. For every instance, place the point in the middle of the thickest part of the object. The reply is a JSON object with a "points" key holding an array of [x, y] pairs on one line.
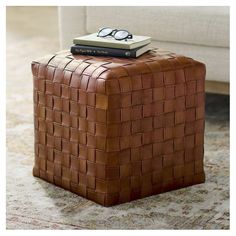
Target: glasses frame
{"points": [[113, 32]]}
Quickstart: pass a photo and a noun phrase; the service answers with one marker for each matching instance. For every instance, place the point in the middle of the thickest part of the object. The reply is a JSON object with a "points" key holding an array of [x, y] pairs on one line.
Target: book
{"points": [[110, 42], [112, 52]]}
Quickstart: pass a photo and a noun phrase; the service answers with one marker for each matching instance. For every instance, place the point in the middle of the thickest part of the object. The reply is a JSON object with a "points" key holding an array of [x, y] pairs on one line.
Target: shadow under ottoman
{"points": [[114, 129]]}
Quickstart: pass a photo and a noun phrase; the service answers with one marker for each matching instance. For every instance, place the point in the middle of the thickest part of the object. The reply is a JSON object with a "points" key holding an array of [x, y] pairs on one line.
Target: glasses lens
{"points": [[104, 32], [121, 34]]}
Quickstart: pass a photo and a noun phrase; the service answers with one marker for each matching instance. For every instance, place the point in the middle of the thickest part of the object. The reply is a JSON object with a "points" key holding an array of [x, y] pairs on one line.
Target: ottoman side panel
{"points": [[70, 108], [155, 124]]}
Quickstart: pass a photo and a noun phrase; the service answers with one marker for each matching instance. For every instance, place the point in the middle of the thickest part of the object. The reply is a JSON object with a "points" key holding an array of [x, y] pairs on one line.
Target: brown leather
{"points": [[114, 130]]}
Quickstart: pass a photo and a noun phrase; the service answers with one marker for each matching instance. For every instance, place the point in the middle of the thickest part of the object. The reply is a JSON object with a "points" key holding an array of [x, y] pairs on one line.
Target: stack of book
{"points": [[97, 46]]}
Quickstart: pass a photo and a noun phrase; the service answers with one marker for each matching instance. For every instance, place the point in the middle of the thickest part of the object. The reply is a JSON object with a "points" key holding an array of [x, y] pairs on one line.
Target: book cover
{"points": [[112, 52], [110, 42]]}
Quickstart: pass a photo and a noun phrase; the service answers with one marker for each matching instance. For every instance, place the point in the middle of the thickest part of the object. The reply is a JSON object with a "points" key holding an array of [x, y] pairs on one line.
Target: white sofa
{"points": [[198, 32]]}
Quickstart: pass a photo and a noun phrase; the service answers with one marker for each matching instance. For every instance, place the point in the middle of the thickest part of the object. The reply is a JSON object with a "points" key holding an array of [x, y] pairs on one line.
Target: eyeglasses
{"points": [[115, 33]]}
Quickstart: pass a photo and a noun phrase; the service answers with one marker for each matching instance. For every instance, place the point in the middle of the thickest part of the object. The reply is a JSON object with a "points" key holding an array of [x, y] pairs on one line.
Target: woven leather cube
{"points": [[113, 129]]}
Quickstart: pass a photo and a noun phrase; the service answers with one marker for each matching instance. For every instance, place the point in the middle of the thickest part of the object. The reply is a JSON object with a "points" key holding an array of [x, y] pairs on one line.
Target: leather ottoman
{"points": [[113, 129]]}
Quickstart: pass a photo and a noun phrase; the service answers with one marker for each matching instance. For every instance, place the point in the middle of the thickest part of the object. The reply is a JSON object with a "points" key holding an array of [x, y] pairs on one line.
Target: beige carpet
{"points": [[35, 204]]}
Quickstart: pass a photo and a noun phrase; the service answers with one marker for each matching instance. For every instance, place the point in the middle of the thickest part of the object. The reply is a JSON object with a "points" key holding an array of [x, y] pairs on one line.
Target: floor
{"points": [[35, 204]]}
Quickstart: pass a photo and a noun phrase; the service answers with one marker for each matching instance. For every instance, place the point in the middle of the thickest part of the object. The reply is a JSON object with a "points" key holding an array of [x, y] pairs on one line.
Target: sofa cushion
{"points": [[193, 25]]}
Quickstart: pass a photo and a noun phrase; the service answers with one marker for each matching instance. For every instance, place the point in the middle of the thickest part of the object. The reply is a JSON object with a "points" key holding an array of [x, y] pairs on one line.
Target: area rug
{"points": [[35, 204]]}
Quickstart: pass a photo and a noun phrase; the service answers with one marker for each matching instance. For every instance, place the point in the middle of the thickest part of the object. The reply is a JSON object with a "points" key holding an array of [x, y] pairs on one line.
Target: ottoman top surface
{"points": [[156, 60]]}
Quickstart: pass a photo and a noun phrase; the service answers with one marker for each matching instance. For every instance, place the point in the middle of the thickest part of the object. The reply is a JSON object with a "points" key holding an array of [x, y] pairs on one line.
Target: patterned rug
{"points": [[35, 204]]}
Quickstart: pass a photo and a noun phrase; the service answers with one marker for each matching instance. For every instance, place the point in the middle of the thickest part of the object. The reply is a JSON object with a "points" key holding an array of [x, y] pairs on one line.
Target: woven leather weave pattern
{"points": [[114, 130]]}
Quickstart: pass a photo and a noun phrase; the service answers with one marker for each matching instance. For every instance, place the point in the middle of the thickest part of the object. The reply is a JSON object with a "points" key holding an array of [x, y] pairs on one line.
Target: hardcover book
{"points": [[110, 42], [112, 52]]}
